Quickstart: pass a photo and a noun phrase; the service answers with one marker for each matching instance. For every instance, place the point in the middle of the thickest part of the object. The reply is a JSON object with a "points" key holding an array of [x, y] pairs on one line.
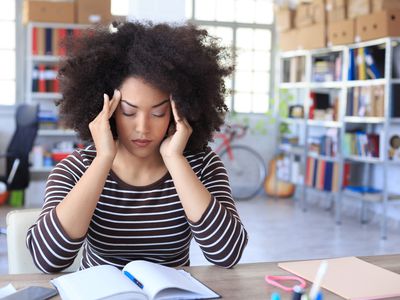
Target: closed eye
{"points": [[128, 114], [159, 115]]}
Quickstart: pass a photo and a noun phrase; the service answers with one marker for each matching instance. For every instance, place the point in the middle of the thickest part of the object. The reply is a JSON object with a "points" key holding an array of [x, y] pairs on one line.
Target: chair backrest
{"points": [[19, 259], [27, 124]]}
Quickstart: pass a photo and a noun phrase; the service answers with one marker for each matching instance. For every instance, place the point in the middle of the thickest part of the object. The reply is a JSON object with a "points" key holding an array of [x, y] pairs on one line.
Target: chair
{"points": [[19, 259], [17, 175]]}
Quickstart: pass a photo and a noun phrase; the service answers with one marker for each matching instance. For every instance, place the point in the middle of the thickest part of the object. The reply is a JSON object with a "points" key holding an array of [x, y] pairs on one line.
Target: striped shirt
{"points": [[138, 222]]}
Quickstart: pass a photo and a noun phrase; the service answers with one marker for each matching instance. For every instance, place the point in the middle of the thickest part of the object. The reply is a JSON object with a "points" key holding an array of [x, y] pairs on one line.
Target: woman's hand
{"points": [[175, 143], [101, 130]]}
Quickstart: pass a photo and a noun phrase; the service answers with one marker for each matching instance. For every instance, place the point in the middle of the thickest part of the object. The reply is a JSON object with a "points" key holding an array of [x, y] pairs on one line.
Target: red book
{"points": [[34, 41], [42, 79], [62, 33]]}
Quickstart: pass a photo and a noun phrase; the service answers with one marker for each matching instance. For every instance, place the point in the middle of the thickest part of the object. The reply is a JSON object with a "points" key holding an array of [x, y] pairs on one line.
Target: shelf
{"points": [[327, 85], [293, 121], [46, 58], [395, 120], [370, 197], [293, 53], [364, 159], [41, 169], [321, 123], [47, 96], [293, 85], [351, 119], [296, 150], [368, 82], [56, 132], [323, 157]]}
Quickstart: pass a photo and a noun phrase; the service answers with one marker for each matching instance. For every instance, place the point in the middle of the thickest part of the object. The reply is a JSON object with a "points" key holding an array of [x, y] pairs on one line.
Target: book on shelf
{"points": [[46, 40], [366, 63], [366, 101], [362, 144], [138, 280], [44, 78], [324, 175]]}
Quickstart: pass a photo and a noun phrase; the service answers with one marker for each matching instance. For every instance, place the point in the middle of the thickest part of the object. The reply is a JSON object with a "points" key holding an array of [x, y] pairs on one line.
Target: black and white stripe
{"points": [[138, 222]]}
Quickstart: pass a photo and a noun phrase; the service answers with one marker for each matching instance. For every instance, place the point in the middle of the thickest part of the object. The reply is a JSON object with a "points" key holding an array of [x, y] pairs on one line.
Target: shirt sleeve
{"points": [[219, 232], [51, 248]]}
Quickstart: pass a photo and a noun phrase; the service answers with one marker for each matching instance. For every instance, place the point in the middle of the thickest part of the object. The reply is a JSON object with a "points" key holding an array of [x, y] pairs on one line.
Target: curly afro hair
{"points": [[183, 60]]}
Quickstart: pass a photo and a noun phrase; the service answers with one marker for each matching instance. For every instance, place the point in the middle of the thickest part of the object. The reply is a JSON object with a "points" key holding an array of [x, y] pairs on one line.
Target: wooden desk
{"points": [[245, 281]]}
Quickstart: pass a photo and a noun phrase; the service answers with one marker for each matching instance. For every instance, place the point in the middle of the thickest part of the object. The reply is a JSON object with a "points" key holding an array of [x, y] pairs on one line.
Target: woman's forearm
{"points": [[194, 197], [76, 209]]}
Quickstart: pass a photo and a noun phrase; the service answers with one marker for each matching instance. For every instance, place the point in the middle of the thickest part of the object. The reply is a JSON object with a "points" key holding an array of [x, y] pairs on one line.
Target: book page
{"points": [[99, 282], [160, 282]]}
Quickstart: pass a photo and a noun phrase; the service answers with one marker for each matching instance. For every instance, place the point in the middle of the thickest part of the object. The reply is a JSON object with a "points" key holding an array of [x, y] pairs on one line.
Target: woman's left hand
{"points": [[175, 143]]}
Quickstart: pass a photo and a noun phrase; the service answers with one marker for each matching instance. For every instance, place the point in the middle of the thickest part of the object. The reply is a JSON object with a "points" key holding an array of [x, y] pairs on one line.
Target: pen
{"points": [[275, 296], [318, 278], [131, 277]]}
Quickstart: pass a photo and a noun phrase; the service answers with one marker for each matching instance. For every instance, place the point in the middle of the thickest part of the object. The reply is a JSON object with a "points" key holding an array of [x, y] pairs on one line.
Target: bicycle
{"points": [[245, 167]]}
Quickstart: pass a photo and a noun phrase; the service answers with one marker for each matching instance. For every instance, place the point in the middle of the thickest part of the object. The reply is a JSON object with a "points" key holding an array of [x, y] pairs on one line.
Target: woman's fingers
{"points": [[114, 103], [174, 110]]}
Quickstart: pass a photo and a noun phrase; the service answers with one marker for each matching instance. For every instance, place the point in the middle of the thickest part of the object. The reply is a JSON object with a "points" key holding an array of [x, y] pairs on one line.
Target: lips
{"points": [[141, 142]]}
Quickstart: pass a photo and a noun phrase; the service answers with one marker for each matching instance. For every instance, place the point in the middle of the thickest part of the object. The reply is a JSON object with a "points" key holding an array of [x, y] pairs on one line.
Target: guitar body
{"points": [[274, 187]]}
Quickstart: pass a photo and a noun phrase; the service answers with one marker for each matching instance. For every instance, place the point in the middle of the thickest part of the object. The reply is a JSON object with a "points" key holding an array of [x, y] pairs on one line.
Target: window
{"points": [[7, 53], [246, 26]]}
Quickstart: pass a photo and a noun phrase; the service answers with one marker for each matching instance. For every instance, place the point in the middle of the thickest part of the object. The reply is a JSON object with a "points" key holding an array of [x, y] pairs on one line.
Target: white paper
{"points": [[7, 290]]}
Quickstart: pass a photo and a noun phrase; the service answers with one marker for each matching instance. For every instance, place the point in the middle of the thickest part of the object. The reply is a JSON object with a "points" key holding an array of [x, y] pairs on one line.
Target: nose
{"points": [[143, 124]]}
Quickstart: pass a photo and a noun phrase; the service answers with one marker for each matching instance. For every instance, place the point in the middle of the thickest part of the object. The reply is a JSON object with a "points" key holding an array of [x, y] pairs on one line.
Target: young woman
{"points": [[148, 97]]}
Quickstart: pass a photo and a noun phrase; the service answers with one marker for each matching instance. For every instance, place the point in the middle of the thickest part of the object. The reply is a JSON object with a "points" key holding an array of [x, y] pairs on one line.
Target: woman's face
{"points": [[142, 117]]}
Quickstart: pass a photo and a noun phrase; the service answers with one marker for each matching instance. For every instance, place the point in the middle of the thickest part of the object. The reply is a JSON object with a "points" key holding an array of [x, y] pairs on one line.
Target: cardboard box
{"points": [[304, 15], [357, 8], [318, 11], [332, 4], [288, 40], [48, 11], [379, 5], [341, 32], [378, 25], [337, 14], [313, 37], [284, 19], [89, 11]]}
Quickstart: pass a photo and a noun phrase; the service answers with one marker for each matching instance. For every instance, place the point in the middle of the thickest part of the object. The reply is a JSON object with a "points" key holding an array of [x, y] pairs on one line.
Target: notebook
{"points": [[137, 280], [350, 278]]}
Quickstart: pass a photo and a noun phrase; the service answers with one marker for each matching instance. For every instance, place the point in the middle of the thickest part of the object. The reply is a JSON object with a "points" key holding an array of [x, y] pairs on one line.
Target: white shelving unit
{"points": [[44, 99], [302, 90]]}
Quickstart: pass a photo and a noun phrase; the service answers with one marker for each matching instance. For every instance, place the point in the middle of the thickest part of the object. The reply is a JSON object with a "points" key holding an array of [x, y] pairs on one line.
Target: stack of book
{"points": [[366, 63], [44, 78], [366, 101]]}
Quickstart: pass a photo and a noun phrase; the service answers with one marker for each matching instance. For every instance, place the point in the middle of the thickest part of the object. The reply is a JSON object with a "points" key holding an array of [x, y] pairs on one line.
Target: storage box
{"points": [[89, 11], [312, 37], [341, 32], [378, 25], [288, 40], [48, 11], [304, 15], [318, 11], [337, 14], [336, 10], [284, 19], [357, 8], [379, 5]]}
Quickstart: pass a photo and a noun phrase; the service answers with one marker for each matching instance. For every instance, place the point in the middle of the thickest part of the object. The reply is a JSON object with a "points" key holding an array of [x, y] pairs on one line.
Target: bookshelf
{"points": [[43, 52], [347, 96]]}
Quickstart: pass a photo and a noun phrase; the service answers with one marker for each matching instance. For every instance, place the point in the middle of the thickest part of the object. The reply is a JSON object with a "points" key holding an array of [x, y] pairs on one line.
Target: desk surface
{"points": [[245, 281]]}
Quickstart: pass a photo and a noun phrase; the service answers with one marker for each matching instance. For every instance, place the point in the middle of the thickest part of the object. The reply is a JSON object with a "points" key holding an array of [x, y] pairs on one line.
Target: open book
{"points": [[138, 280]]}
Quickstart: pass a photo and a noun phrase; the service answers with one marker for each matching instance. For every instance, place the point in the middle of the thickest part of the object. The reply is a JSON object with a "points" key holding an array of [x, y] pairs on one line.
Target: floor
{"points": [[280, 230]]}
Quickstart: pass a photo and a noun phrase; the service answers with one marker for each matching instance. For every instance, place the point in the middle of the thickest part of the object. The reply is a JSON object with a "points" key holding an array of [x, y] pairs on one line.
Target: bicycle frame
{"points": [[226, 144]]}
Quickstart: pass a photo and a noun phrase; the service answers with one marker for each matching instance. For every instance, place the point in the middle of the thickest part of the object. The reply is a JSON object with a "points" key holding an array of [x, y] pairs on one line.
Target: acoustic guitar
{"points": [[274, 187]]}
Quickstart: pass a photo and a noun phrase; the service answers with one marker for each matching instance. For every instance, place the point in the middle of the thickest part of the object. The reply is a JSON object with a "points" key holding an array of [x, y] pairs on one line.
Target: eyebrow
{"points": [[135, 106]]}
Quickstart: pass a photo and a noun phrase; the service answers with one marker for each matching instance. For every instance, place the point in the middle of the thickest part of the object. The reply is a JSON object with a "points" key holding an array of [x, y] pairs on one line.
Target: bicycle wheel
{"points": [[246, 171]]}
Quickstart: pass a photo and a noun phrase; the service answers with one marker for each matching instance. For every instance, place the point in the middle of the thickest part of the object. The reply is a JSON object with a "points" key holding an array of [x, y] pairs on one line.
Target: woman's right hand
{"points": [[101, 130]]}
